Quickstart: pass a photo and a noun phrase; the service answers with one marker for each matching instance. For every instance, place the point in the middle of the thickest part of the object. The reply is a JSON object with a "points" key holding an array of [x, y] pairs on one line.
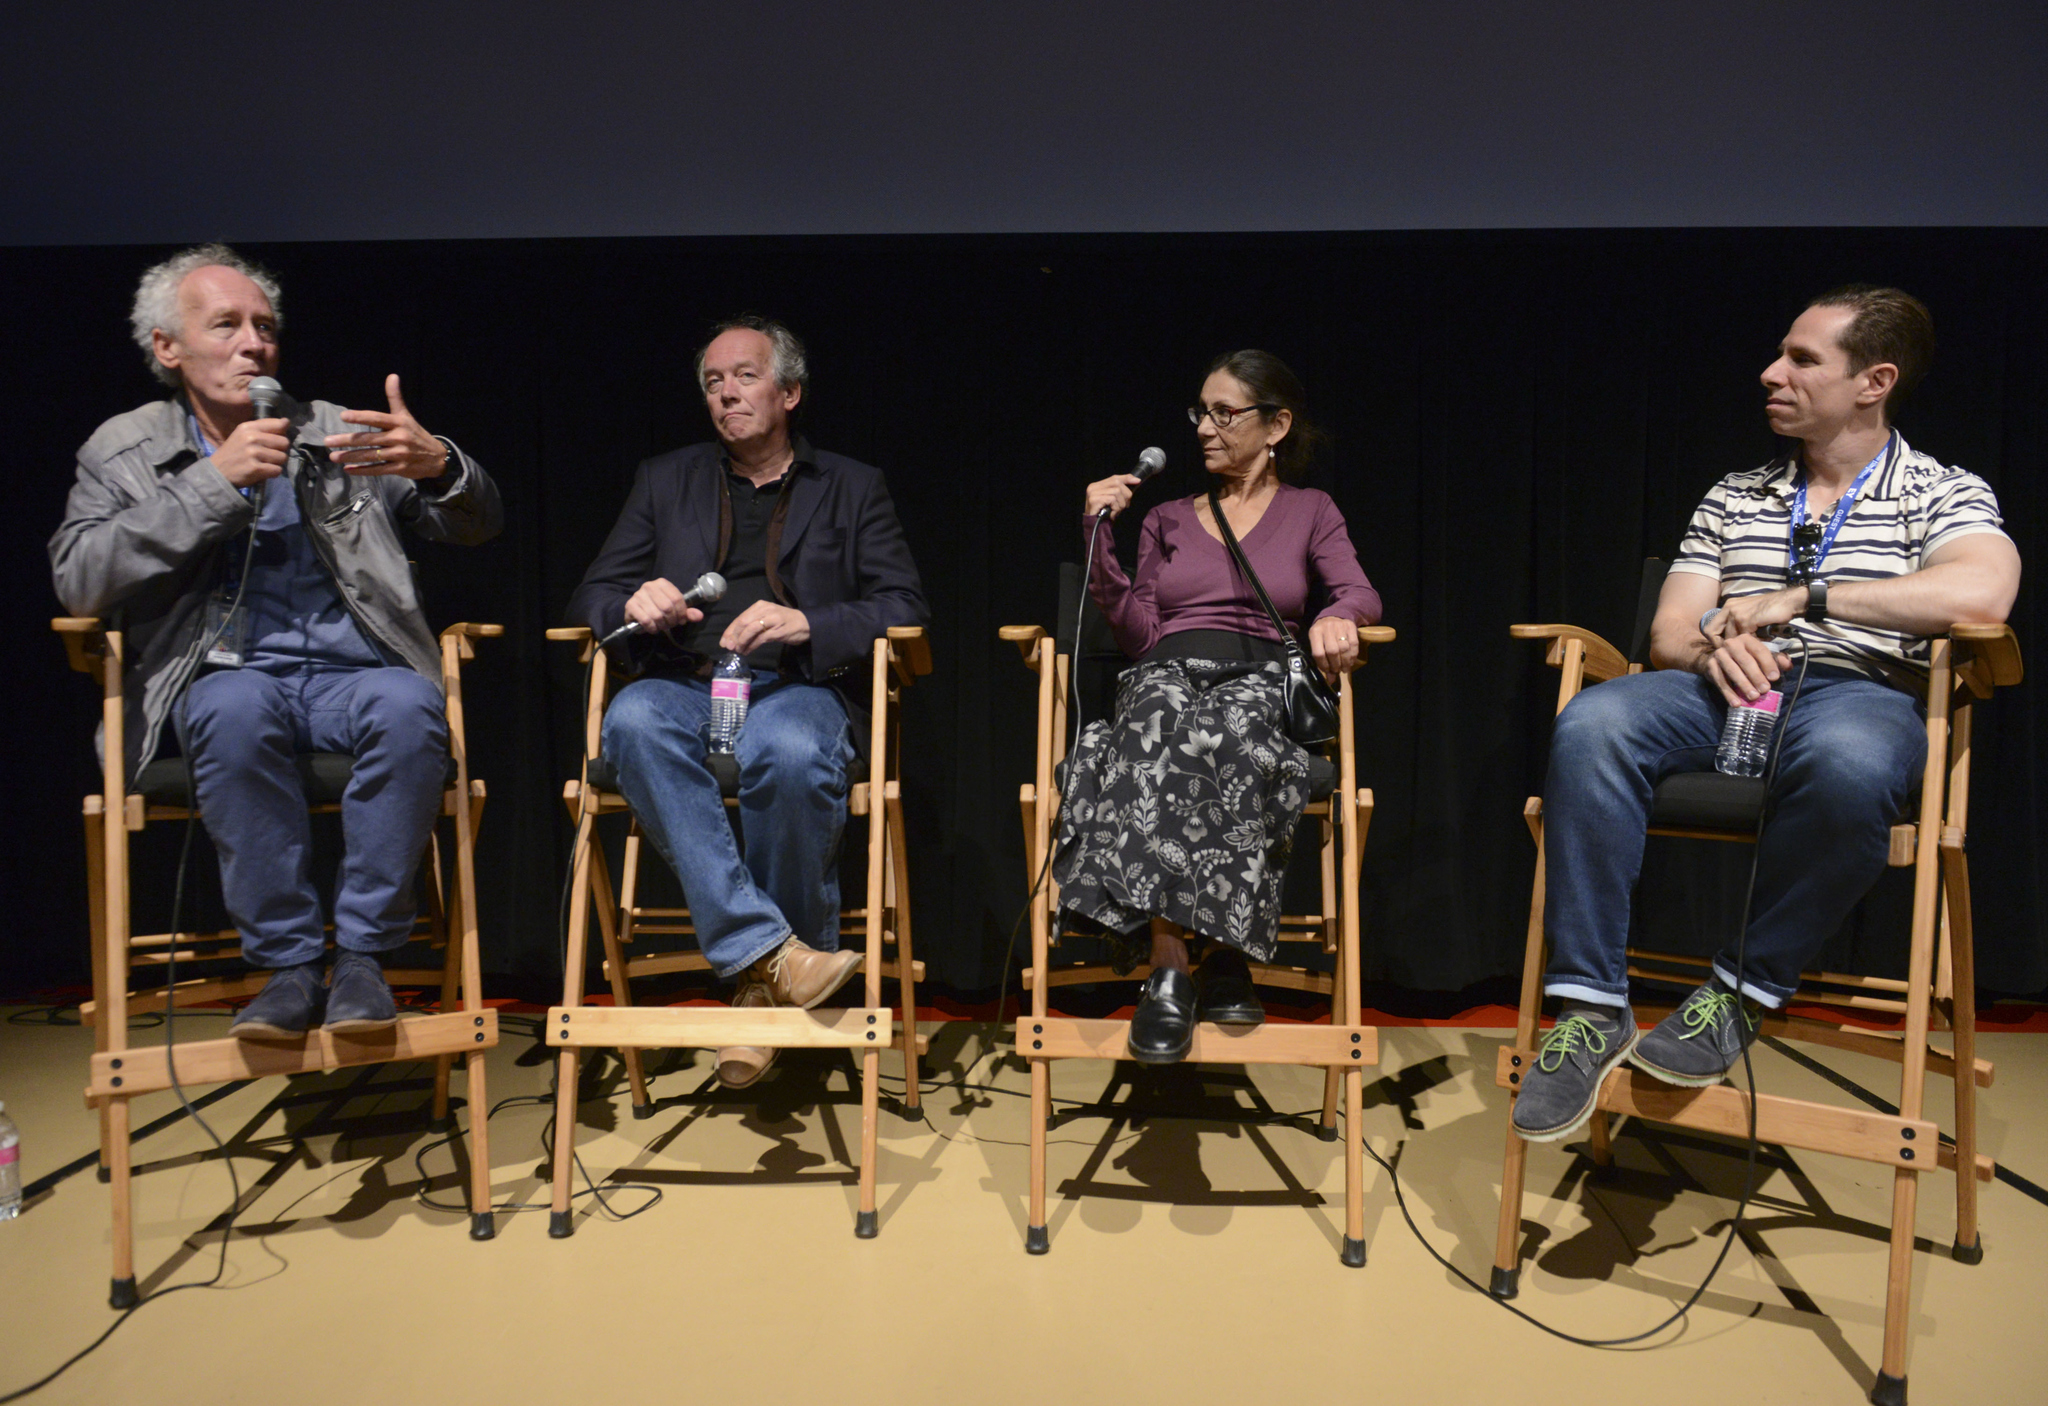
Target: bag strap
{"points": [[1287, 640]]}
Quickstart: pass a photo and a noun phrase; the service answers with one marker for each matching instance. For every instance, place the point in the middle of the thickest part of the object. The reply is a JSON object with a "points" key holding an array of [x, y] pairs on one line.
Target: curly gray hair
{"points": [[156, 297], [786, 354]]}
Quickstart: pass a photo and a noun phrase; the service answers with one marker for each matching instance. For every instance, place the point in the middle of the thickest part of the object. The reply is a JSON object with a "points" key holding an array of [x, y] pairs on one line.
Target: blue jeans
{"points": [[1851, 757], [794, 753], [242, 727]]}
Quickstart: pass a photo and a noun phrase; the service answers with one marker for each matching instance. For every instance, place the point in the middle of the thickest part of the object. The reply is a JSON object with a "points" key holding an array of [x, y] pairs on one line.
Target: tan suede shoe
{"points": [[802, 976], [741, 1065]]}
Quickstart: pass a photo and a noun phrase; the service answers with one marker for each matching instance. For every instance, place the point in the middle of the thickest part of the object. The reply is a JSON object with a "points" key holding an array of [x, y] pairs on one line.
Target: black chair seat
{"points": [[167, 781], [605, 777], [1322, 777], [1707, 800]]}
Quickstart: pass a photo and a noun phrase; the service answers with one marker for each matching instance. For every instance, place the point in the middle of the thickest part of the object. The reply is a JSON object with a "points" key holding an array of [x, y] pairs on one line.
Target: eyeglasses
{"points": [[1224, 415], [1806, 540]]}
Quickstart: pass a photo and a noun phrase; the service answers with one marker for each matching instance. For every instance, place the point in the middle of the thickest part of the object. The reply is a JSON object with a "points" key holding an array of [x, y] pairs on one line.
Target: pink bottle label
{"points": [[730, 688], [9, 1154], [1766, 704]]}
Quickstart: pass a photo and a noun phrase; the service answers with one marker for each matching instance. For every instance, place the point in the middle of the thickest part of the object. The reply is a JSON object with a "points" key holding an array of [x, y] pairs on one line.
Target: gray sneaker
{"points": [[1559, 1092], [1697, 1044]]}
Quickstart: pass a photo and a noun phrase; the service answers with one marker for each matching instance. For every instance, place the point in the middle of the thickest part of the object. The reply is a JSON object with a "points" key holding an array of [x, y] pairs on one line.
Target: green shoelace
{"points": [[1564, 1038], [1704, 1012]]}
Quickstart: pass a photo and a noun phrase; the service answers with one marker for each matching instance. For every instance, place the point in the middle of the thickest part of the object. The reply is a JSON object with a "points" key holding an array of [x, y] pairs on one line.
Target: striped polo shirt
{"points": [[1742, 537]]}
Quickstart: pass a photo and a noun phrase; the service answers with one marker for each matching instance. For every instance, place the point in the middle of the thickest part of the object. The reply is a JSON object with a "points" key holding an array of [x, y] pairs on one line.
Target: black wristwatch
{"points": [[1816, 600]]}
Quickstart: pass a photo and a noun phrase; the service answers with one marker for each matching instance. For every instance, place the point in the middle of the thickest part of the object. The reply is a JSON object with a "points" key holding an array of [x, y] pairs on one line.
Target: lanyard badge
{"points": [[1811, 540]]}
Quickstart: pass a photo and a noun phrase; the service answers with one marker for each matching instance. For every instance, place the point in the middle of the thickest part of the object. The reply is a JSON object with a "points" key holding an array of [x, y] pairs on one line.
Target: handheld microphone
{"points": [[1151, 462], [710, 587], [264, 393]]}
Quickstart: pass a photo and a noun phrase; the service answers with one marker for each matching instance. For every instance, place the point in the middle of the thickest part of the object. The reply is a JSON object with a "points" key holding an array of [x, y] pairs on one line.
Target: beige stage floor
{"points": [[1192, 1260]]}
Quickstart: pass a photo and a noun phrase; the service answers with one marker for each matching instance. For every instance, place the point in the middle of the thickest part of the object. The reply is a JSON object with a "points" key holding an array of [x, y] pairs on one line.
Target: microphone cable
{"points": [[1748, 1073], [1059, 821]]}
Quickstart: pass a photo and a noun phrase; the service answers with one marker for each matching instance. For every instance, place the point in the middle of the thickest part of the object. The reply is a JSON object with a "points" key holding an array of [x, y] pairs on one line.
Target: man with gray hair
{"points": [[816, 571], [254, 561]]}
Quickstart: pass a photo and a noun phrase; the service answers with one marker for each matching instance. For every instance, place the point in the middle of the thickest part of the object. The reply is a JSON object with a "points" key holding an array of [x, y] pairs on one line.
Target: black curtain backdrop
{"points": [[1519, 419]]}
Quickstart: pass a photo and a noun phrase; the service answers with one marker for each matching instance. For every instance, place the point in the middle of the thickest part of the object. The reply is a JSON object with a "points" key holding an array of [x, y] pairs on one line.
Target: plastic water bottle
{"points": [[732, 685], [1746, 736], [10, 1167]]}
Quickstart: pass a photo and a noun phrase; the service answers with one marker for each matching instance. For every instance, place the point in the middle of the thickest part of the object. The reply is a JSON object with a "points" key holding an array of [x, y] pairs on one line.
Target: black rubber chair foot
{"points": [[1036, 1241], [123, 1294], [443, 1124], [643, 1110], [1972, 1253], [1506, 1282], [482, 1227], [1327, 1134], [105, 1174], [1353, 1253], [561, 1225], [867, 1224], [1889, 1391]]}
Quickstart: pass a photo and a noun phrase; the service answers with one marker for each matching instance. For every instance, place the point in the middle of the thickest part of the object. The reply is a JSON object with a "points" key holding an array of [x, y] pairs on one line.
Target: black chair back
{"points": [[1654, 571]]}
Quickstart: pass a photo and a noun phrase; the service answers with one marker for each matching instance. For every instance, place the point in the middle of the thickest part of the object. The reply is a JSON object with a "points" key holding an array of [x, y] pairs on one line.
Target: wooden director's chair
{"points": [[1343, 811], [884, 919], [162, 790], [1938, 993]]}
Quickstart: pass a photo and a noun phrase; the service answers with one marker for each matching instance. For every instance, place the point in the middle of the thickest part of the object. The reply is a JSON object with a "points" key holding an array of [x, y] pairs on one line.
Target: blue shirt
{"points": [[297, 619]]}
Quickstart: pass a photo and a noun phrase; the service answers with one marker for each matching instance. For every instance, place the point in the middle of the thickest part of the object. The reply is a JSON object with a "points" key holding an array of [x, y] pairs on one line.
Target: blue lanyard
{"points": [[1840, 515]]}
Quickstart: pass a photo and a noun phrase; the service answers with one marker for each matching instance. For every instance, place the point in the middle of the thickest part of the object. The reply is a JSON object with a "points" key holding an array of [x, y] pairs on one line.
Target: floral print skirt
{"points": [[1183, 806]]}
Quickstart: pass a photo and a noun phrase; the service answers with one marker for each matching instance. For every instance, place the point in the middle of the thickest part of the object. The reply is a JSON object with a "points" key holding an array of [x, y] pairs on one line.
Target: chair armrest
{"points": [[1990, 657], [1375, 634], [1025, 637], [571, 633], [82, 635], [1603, 660], [910, 646], [463, 636]]}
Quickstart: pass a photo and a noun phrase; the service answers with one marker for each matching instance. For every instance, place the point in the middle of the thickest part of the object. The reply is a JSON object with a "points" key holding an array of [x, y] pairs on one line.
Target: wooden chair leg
{"points": [[122, 1294], [865, 1224], [1035, 1238], [1333, 1077], [1969, 1245], [449, 923], [96, 906], [1898, 1300], [560, 1224], [906, 972], [1602, 1139], [615, 960], [1507, 1243], [1354, 1167]]}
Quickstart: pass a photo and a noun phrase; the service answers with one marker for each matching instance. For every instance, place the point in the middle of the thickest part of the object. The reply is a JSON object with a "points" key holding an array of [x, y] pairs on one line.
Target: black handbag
{"points": [[1309, 703]]}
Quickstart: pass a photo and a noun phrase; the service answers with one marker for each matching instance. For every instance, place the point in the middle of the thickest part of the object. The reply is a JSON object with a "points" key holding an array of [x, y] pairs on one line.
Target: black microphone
{"points": [[1151, 462], [264, 393], [709, 588]]}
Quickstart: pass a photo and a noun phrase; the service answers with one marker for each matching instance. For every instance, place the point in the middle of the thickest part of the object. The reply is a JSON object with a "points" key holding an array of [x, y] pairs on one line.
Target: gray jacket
{"points": [[147, 523]]}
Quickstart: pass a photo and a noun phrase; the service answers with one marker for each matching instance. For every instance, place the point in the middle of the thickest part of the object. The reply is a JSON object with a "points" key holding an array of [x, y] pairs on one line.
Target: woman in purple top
{"points": [[1181, 809]]}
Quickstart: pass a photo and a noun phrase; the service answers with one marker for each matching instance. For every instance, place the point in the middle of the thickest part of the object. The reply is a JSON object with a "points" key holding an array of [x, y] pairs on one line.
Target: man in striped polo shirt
{"points": [[1862, 548]]}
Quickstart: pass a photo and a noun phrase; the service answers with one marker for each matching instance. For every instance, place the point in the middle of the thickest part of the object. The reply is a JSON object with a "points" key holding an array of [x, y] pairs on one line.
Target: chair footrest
{"points": [[1866, 1134], [1342, 1046], [709, 1027], [144, 1068]]}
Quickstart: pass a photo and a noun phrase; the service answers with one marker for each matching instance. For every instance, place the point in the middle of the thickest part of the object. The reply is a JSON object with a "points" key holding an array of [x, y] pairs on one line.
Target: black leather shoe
{"points": [[286, 1008], [1164, 1027], [358, 997], [1223, 989]]}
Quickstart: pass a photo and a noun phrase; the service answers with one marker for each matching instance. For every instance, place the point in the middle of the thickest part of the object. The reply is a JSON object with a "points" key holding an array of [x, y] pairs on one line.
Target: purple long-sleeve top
{"points": [[1188, 581]]}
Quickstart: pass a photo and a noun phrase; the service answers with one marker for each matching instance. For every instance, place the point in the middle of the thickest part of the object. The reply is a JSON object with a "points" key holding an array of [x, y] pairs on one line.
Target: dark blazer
{"points": [[843, 559]]}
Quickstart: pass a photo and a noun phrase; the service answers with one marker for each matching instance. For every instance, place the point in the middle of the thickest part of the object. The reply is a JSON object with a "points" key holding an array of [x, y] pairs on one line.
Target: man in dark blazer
{"points": [[816, 570]]}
